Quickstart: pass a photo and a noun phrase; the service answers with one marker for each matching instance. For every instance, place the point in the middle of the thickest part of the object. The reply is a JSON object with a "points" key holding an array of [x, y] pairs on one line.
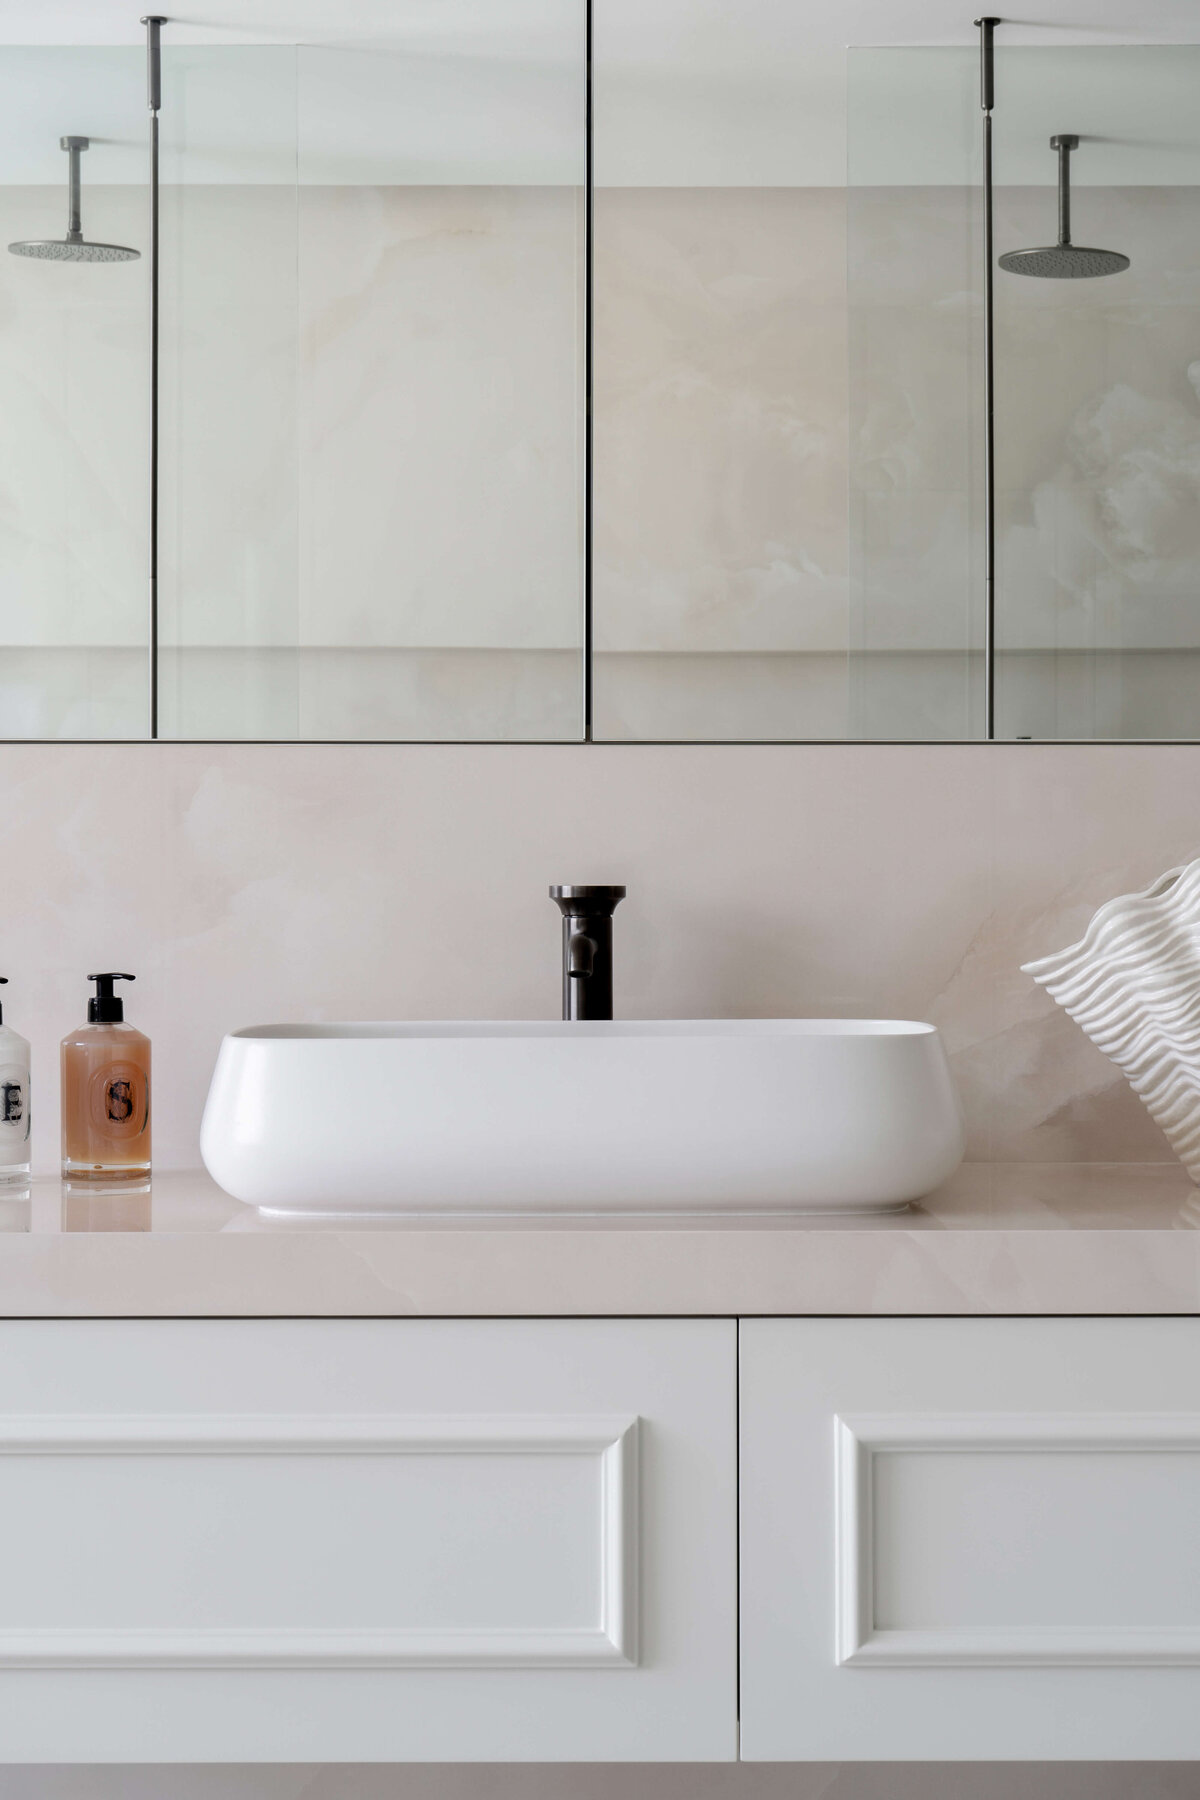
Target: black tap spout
{"points": [[587, 949]]}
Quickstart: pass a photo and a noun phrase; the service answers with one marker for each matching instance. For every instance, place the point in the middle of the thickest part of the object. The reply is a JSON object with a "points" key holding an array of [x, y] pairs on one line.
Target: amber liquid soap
{"points": [[106, 1093]]}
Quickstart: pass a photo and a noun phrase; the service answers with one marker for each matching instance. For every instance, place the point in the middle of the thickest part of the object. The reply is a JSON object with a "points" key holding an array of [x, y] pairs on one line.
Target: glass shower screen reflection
{"points": [[914, 275], [1097, 394], [1098, 397], [374, 385]]}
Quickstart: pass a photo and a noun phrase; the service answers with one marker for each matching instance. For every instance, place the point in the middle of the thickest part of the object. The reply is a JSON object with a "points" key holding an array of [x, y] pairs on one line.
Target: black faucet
{"points": [[587, 949]]}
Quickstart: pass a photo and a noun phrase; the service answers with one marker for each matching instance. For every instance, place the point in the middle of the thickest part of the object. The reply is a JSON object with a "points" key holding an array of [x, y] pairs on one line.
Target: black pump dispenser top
{"points": [[3, 983], [106, 1008]]}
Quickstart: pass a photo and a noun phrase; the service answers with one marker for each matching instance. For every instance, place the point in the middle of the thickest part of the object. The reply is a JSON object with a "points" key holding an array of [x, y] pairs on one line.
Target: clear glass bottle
{"points": [[14, 1103], [106, 1093]]}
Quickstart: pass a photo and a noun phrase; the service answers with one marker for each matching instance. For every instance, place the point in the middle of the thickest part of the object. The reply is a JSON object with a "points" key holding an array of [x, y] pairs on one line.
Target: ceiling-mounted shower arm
{"points": [[74, 147], [1064, 143], [987, 63], [154, 23]]}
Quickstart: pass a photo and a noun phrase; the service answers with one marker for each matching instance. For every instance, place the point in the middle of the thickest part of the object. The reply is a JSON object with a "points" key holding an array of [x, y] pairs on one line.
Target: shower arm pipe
{"points": [[1064, 144], [986, 101], [74, 149], [154, 23], [1064, 191]]}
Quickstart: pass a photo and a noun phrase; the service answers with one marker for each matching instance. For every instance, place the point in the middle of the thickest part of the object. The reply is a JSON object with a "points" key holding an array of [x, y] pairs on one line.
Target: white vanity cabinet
{"points": [[508, 1540], [970, 1539], [336, 1540]]}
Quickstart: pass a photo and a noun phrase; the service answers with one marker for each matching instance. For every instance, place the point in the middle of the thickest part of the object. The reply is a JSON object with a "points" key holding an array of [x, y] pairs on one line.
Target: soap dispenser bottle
{"points": [[106, 1093], [14, 1102]]}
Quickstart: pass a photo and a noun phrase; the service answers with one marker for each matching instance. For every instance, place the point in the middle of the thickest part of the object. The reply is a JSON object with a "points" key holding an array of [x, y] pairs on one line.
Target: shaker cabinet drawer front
{"points": [[360, 1541], [970, 1539]]}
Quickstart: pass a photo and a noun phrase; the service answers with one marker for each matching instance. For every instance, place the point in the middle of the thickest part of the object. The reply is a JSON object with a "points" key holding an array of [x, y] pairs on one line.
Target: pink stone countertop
{"points": [[998, 1239]]}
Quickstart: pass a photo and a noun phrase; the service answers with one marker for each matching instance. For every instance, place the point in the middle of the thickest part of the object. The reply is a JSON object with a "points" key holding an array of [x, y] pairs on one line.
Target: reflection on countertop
{"points": [[996, 1239], [106, 1206], [169, 1204]]}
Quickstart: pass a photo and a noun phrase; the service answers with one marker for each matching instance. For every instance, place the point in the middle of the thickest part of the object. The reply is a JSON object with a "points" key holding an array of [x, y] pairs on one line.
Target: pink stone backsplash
{"points": [[249, 883]]}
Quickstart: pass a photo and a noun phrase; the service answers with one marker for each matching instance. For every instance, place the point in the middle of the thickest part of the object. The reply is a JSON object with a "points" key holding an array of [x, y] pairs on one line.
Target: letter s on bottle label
{"points": [[117, 1101]]}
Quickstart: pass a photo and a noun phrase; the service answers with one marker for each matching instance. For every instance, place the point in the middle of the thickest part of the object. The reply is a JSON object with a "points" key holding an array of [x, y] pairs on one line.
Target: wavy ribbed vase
{"points": [[1133, 983]]}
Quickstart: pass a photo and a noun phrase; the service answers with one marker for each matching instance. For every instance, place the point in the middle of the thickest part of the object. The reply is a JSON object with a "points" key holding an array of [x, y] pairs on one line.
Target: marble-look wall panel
{"points": [[206, 691], [61, 691], [363, 695], [439, 695], [1121, 694], [372, 444], [228, 546], [1098, 431], [694, 697], [73, 408], [915, 461], [250, 883], [720, 447], [441, 430]]}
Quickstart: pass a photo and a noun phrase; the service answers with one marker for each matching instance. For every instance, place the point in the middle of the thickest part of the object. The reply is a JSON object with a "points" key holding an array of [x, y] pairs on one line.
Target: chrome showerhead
{"points": [[1064, 260], [74, 247]]}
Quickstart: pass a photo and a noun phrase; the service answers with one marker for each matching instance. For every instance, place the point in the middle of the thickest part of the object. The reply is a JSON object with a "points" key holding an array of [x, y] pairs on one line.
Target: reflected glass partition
{"points": [[1098, 397], [1097, 394], [914, 288], [375, 425], [229, 584]]}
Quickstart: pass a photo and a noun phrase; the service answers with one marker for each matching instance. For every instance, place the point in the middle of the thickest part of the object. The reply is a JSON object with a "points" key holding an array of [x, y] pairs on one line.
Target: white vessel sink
{"points": [[679, 1116]]}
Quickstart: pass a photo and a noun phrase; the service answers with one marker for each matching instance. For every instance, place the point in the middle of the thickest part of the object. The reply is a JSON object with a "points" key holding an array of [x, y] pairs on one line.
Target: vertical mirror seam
{"points": [[987, 99], [153, 23], [588, 309]]}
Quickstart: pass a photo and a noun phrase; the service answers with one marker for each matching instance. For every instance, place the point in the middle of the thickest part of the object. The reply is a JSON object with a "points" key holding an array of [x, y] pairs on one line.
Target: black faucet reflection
{"points": [[587, 949]]}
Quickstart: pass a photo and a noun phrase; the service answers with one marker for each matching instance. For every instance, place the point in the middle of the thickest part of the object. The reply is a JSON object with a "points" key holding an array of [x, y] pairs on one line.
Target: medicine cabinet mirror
{"points": [[407, 468]]}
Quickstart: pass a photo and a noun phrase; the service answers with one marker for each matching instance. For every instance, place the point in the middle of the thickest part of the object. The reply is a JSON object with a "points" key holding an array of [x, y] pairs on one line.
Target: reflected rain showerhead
{"points": [[1064, 260], [74, 247], [73, 250]]}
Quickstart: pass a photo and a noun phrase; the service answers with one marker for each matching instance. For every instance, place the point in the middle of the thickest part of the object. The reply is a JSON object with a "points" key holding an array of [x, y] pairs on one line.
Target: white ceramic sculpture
{"points": [[1133, 983]]}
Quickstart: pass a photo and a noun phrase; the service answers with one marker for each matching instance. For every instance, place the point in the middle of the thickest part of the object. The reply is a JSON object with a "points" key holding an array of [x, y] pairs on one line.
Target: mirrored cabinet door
{"points": [[371, 408], [792, 499]]}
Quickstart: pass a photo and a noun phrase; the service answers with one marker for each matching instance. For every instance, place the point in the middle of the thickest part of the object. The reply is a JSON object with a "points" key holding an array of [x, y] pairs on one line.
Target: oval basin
{"points": [[669, 1117]]}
